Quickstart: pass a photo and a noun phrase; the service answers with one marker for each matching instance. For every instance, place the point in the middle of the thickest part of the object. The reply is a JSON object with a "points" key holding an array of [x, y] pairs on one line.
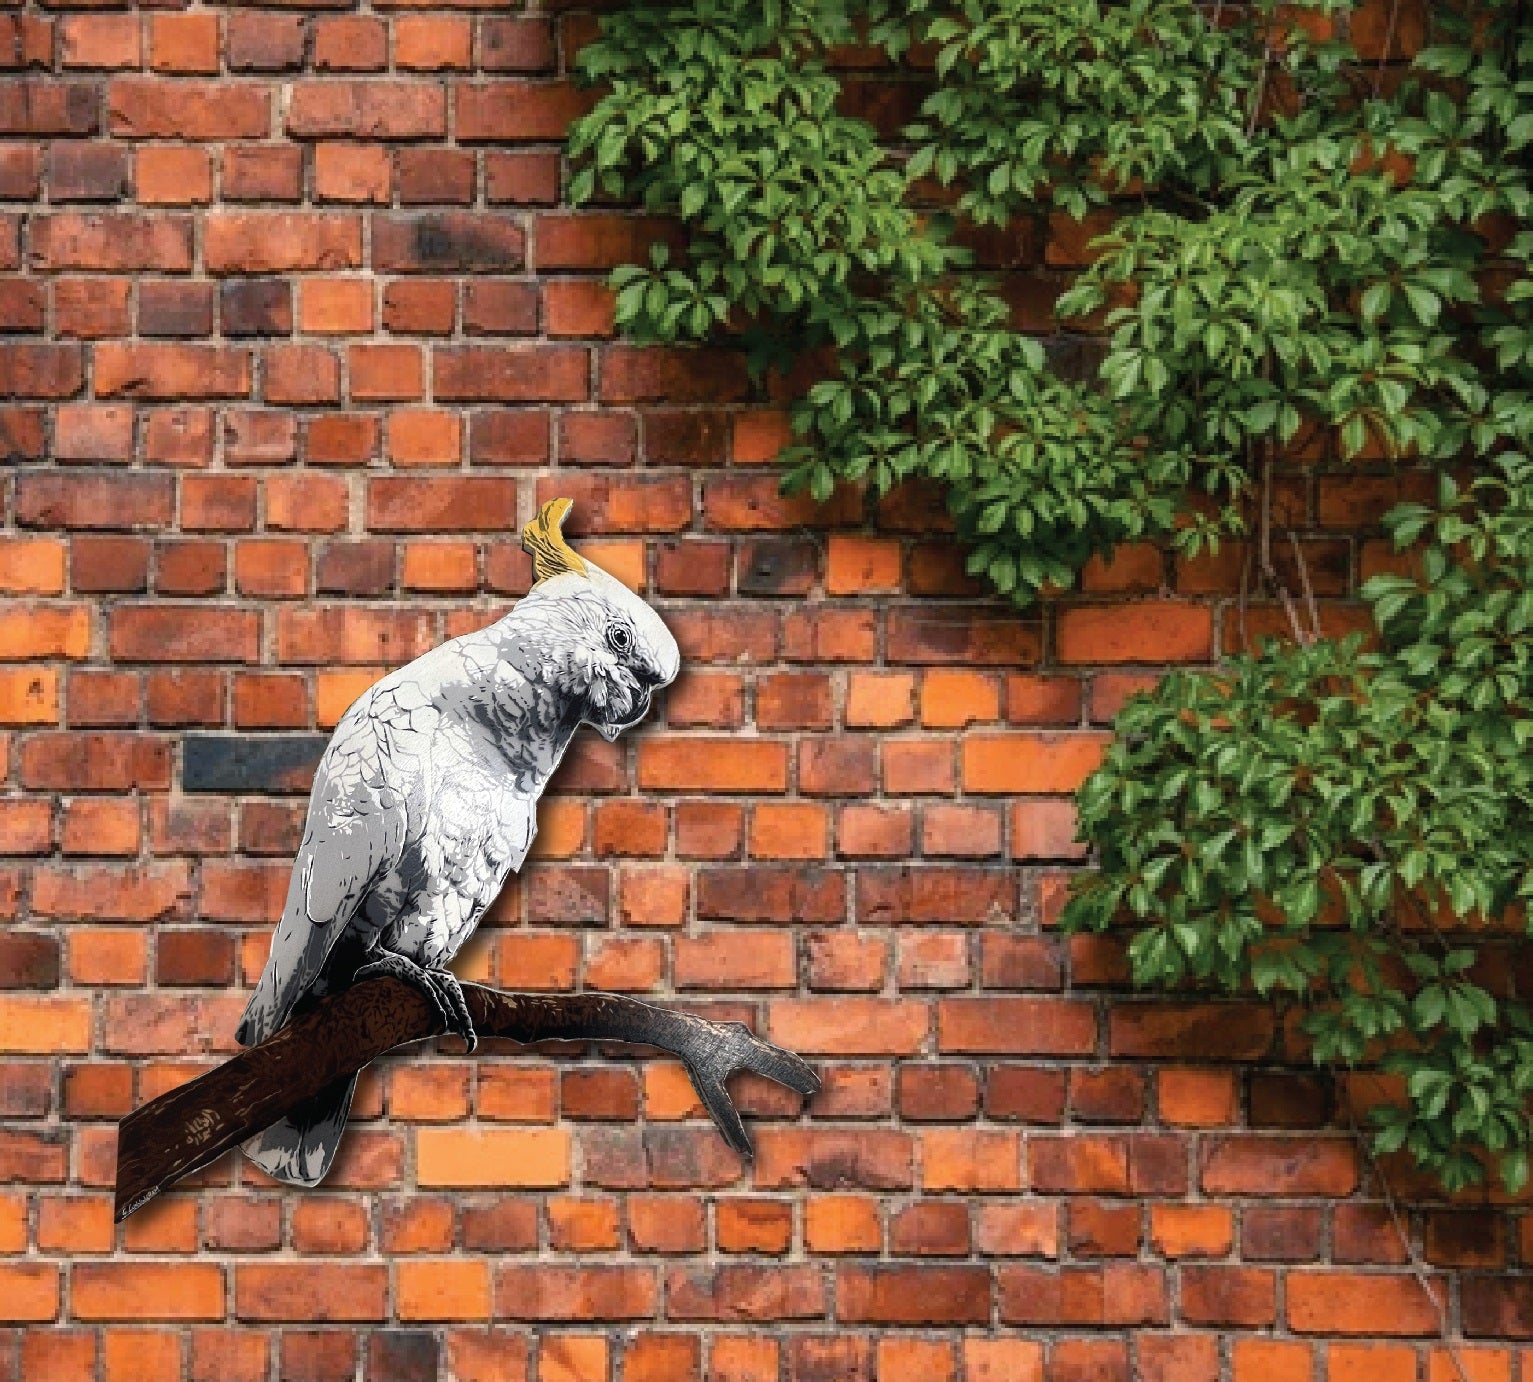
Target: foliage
{"points": [[1295, 244]]}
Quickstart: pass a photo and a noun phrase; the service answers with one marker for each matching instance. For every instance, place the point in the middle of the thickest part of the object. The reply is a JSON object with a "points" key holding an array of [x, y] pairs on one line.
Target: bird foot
{"points": [[712, 1051], [440, 986]]}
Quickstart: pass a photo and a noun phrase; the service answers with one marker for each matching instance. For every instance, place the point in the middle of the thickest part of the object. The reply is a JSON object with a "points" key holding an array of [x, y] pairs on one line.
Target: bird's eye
{"points": [[619, 637]]}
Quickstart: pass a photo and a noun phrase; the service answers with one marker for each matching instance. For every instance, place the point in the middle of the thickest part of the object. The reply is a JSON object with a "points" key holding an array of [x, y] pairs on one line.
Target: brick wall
{"points": [[297, 334]]}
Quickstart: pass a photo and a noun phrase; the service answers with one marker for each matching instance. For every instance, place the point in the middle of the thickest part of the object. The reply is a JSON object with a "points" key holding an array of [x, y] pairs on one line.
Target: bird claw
{"points": [[439, 986], [732, 1046]]}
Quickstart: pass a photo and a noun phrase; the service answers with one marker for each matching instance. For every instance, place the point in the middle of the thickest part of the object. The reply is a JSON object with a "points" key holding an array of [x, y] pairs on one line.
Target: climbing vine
{"points": [[1292, 244]]}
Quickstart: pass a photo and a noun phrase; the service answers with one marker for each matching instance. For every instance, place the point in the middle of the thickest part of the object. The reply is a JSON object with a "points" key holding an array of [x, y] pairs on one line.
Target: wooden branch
{"points": [[174, 1135]]}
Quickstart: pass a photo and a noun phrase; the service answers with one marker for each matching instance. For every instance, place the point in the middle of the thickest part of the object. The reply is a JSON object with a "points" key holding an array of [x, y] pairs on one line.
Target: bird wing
{"points": [[353, 833]]}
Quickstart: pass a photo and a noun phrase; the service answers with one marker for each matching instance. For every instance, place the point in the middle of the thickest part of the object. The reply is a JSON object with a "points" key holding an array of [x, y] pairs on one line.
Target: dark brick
{"points": [[462, 241], [256, 307], [777, 566], [250, 762], [402, 1355], [355, 568], [167, 307], [28, 960]]}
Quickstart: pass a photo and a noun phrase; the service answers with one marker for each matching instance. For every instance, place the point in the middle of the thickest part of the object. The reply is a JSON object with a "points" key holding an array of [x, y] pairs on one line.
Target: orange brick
{"points": [[31, 566], [442, 1290], [862, 565], [1370, 1363], [44, 1026], [173, 175], [336, 691], [101, 825], [849, 1026], [425, 436], [352, 173], [1191, 1230], [37, 630], [1044, 762], [428, 1093], [146, 1290], [914, 1360], [879, 700], [957, 699], [518, 1095], [294, 1291], [572, 1358], [26, 825], [1002, 1360], [760, 436], [107, 955], [754, 1225], [335, 306], [463, 1157], [183, 42], [1153, 631], [789, 830], [583, 1225], [842, 1224], [440, 567], [431, 44], [1197, 1098], [712, 765], [70, 1224], [970, 1160]]}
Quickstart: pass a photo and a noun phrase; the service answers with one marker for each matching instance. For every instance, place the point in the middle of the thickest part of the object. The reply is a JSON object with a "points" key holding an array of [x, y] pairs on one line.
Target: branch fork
{"points": [[181, 1131]]}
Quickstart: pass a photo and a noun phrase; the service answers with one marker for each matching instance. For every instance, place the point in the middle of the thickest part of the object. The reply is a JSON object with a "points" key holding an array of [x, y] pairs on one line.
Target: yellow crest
{"points": [[545, 544]]}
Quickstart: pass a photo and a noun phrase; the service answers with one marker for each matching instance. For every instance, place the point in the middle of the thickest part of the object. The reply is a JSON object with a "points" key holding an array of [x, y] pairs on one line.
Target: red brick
{"points": [[1155, 631], [1117, 1294], [512, 374], [291, 1291], [518, 110], [42, 371], [575, 1293], [351, 44], [183, 42], [171, 371], [144, 1290], [1331, 1302], [147, 108], [1030, 762], [190, 633], [367, 110], [913, 1295], [1256, 1165]]}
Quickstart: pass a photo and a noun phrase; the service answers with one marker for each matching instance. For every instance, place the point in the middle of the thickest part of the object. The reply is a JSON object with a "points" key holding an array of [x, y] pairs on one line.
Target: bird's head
{"points": [[587, 634]]}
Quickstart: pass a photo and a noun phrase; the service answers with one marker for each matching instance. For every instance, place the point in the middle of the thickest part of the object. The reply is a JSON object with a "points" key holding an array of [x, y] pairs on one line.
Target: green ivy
{"points": [[1295, 244]]}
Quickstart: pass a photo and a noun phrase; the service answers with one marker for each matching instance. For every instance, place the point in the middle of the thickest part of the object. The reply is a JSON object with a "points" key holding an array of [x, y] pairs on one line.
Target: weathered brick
{"points": [[253, 242], [367, 110], [149, 108]]}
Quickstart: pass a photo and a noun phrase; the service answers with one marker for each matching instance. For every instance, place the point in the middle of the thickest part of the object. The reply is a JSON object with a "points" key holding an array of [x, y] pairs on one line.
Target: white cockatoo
{"points": [[426, 798]]}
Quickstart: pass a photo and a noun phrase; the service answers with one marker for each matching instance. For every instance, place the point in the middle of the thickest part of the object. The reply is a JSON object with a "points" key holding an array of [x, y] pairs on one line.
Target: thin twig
{"points": [[1389, 43], [1243, 598], [1309, 591], [1264, 548], [1418, 1268], [1261, 90]]}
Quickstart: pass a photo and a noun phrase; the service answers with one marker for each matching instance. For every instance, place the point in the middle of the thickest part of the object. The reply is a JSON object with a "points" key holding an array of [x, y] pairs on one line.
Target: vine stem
{"points": [[1310, 606], [1389, 43], [1418, 1267], [1264, 548]]}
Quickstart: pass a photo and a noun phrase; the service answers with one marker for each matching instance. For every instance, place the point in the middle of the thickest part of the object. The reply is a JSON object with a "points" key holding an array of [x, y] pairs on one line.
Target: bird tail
{"points": [[299, 1148]]}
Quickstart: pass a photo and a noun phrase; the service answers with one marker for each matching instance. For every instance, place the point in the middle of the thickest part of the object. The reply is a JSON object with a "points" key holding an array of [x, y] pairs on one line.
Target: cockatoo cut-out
{"points": [[426, 799]]}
